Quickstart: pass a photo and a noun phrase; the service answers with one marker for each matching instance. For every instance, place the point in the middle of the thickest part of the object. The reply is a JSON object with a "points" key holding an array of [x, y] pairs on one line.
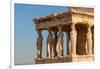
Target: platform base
{"points": [[69, 58]]}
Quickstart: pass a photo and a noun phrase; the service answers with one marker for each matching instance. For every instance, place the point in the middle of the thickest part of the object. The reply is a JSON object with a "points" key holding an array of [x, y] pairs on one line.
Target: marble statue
{"points": [[49, 44], [39, 45]]}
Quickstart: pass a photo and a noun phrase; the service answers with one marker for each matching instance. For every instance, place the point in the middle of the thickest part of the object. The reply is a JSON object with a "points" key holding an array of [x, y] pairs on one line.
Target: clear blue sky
{"points": [[25, 34]]}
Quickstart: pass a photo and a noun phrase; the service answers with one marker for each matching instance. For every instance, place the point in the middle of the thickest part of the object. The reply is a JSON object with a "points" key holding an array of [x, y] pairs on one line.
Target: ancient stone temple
{"points": [[78, 23]]}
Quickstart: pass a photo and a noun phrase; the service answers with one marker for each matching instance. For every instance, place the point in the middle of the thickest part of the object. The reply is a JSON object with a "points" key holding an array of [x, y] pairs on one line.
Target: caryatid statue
{"points": [[55, 44], [73, 37], [49, 44], [39, 44], [89, 40], [59, 47]]}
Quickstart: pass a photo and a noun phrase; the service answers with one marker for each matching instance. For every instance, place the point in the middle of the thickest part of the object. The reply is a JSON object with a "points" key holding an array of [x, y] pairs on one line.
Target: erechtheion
{"points": [[78, 23]]}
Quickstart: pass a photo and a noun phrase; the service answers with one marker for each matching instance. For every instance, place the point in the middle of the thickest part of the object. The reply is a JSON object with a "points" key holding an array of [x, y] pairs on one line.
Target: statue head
{"points": [[89, 28], [73, 26]]}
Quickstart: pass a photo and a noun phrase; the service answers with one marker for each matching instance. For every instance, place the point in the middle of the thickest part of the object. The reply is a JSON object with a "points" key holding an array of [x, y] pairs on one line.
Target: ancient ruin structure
{"points": [[78, 23]]}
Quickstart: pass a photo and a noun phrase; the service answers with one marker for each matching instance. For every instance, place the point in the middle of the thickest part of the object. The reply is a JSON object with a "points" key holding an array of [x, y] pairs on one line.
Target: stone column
{"points": [[89, 40], [39, 45], [73, 38]]}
